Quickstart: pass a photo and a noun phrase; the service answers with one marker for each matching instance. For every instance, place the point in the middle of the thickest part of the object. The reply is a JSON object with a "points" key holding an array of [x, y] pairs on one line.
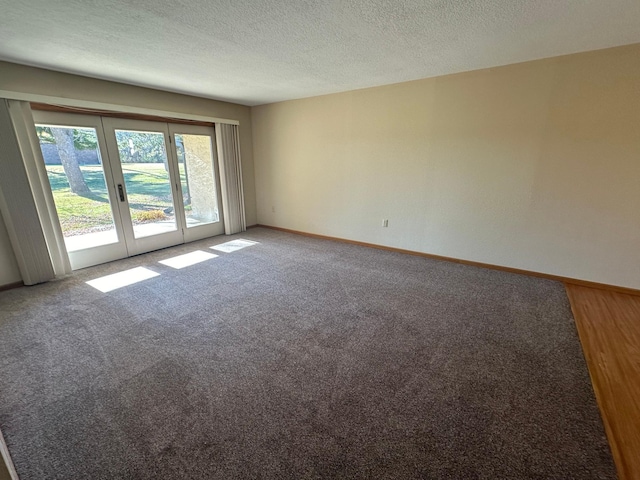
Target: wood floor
{"points": [[4, 472], [4, 469], [609, 327]]}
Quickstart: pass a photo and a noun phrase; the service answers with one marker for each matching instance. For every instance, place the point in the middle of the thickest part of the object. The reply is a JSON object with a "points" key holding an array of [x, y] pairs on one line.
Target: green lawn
{"points": [[148, 192]]}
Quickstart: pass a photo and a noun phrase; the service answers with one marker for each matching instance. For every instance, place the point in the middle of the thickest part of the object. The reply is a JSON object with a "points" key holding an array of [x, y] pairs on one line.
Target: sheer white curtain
{"points": [[228, 145], [26, 200]]}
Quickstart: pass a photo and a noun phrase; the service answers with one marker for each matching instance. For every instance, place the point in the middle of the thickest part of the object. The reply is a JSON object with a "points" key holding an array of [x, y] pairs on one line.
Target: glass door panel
{"points": [[197, 167], [81, 187], [76, 176], [145, 173], [145, 168], [195, 161]]}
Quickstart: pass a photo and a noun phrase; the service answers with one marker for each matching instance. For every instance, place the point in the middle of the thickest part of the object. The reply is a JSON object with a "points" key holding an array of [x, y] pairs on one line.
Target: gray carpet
{"points": [[298, 358]]}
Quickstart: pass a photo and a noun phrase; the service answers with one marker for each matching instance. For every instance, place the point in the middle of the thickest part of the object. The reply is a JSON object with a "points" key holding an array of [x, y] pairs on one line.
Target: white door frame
{"points": [[152, 242], [198, 232], [103, 253]]}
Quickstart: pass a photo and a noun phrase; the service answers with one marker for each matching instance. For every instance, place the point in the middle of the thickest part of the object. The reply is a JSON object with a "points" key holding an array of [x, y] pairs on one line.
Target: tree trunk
{"points": [[67, 152]]}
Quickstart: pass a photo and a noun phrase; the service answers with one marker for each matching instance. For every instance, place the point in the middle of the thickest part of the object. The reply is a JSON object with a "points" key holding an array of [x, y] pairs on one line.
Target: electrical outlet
{"points": [[385, 223], [273, 209]]}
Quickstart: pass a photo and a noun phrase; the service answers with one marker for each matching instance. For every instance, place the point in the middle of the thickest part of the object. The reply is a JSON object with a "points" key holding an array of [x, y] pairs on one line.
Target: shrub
{"points": [[149, 216]]}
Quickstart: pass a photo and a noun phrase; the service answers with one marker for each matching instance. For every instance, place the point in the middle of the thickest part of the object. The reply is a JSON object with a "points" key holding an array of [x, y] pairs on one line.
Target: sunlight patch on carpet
{"points": [[233, 245], [122, 279], [188, 259]]}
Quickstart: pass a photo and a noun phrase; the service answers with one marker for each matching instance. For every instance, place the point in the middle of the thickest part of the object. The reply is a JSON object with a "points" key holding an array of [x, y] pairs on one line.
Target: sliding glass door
{"points": [[124, 187]]}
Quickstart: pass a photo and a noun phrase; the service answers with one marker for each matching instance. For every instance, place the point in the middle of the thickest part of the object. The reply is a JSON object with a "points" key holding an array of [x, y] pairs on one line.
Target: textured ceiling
{"points": [[255, 52]]}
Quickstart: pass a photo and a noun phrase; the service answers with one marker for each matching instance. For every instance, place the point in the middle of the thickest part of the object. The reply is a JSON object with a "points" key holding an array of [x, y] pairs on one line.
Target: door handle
{"points": [[121, 192]]}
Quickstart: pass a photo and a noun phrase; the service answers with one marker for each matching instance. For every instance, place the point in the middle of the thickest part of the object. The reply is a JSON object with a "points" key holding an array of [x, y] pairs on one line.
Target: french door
{"points": [[124, 187]]}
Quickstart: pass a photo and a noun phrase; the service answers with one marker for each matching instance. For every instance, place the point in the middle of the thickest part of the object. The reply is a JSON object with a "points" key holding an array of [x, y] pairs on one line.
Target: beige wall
{"points": [[533, 166], [28, 80]]}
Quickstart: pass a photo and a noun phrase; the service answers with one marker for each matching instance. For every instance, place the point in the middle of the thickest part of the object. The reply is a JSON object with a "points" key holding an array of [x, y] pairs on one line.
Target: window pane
{"points": [[195, 161], [76, 175], [143, 156]]}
